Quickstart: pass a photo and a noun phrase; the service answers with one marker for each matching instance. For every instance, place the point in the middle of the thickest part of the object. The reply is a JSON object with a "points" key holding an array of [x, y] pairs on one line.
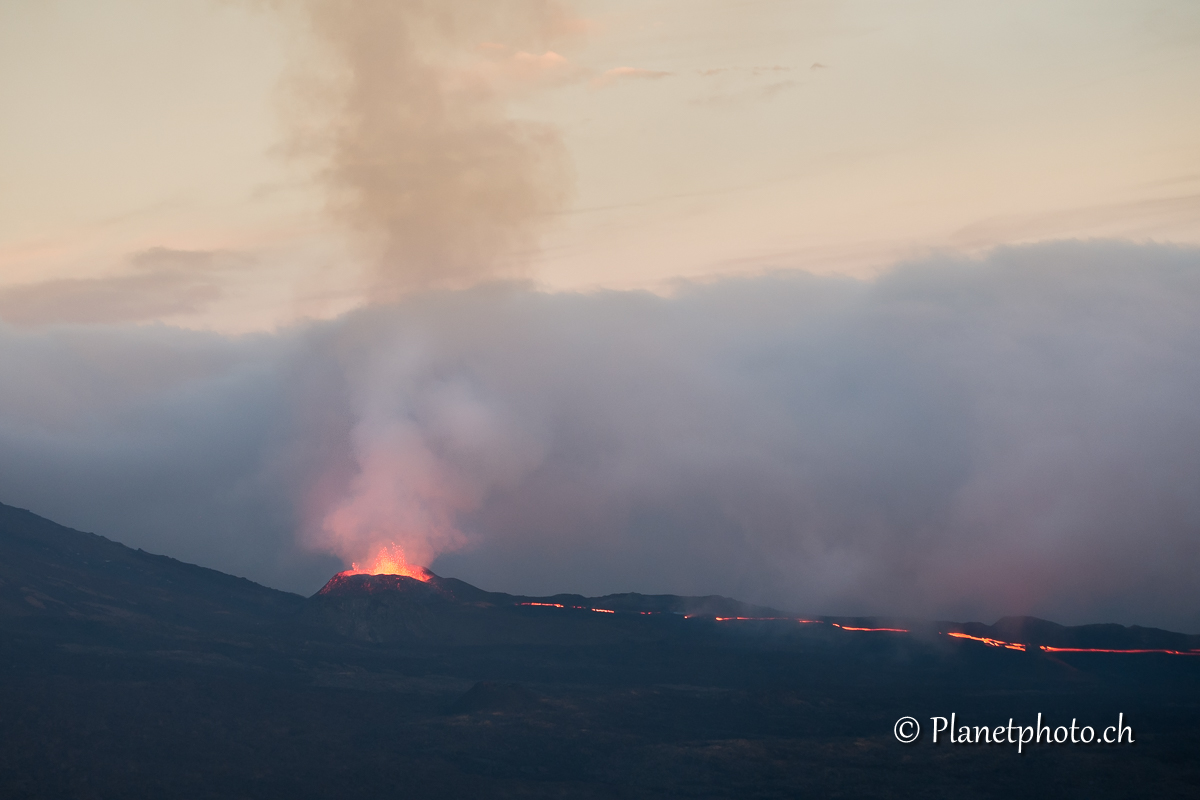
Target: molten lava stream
{"points": [[848, 628], [1050, 649], [989, 642]]}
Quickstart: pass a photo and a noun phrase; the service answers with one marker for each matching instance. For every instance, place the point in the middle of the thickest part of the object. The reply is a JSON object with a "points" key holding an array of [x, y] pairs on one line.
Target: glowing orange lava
{"points": [[544, 605], [604, 610], [389, 560], [1050, 649], [727, 619], [989, 642], [848, 628]]}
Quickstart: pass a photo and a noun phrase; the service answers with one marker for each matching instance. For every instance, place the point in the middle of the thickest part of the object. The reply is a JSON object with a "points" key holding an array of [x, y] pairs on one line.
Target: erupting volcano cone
{"points": [[389, 560], [357, 582]]}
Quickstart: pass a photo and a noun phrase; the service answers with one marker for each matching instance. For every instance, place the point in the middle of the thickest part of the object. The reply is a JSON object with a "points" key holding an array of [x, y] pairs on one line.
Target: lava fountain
{"points": [[389, 560]]}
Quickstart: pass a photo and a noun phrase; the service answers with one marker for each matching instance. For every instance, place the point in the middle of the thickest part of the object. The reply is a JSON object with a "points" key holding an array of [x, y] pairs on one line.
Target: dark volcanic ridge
{"points": [[48, 571], [372, 601], [126, 674], [52, 574], [451, 590]]}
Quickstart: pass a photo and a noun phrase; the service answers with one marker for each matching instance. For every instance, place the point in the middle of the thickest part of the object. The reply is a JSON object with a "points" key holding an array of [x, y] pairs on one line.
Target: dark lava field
{"points": [[129, 675]]}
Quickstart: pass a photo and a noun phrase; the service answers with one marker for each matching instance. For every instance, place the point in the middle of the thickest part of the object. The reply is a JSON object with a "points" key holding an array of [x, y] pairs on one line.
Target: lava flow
{"points": [[1049, 649], [389, 560], [892, 630], [988, 642]]}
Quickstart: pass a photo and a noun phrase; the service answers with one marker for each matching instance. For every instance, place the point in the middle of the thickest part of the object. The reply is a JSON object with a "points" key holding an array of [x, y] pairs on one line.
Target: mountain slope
{"points": [[124, 674], [50, 572]]}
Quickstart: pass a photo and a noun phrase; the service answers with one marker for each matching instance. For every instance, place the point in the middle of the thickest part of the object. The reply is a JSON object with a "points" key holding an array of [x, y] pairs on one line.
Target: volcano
{"points": [[131, 674], [381, 607], [399, 608], [432, 588]]}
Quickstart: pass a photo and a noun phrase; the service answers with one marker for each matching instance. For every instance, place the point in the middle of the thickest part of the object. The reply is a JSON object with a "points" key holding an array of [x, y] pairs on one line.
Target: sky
{"points": [[846, 307]]}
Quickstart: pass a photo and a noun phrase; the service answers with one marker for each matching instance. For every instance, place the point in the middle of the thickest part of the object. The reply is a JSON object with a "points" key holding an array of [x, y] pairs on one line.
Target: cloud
{"points": [[740, 85], [1143, 218], [746, 95], [162, 282], [957, 439], [611, 76], [521, 70], [755, 71]]}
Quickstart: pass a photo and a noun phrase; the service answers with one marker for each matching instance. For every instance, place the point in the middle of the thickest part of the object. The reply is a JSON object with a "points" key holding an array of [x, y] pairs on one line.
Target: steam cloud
{"points": [[162, 282], [963, 439], [418, 151], [957, 439]]}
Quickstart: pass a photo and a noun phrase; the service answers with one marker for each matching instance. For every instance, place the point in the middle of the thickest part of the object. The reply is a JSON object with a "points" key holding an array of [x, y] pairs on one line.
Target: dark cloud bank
{"points": [[965, 439]]}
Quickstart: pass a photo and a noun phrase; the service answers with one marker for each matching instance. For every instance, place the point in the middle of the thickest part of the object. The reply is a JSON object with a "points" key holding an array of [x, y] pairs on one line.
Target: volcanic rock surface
{"points": [[51, 574], [125, 674]]}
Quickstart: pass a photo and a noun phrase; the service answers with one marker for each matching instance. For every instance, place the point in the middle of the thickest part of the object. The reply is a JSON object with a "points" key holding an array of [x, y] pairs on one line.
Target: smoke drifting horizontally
{"points": [[1016, 434], [960, 439]]}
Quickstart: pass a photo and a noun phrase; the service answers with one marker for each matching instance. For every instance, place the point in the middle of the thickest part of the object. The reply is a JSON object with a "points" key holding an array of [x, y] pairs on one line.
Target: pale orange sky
{"points": [[700, 139]]}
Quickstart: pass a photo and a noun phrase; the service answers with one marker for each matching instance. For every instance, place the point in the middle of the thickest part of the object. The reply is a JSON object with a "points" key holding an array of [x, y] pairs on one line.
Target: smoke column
{"points": [[408, 121], [421, 160]]}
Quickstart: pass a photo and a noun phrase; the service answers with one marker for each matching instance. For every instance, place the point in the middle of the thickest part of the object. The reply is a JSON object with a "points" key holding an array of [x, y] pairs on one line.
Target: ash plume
{"points": [[407, 113]]}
